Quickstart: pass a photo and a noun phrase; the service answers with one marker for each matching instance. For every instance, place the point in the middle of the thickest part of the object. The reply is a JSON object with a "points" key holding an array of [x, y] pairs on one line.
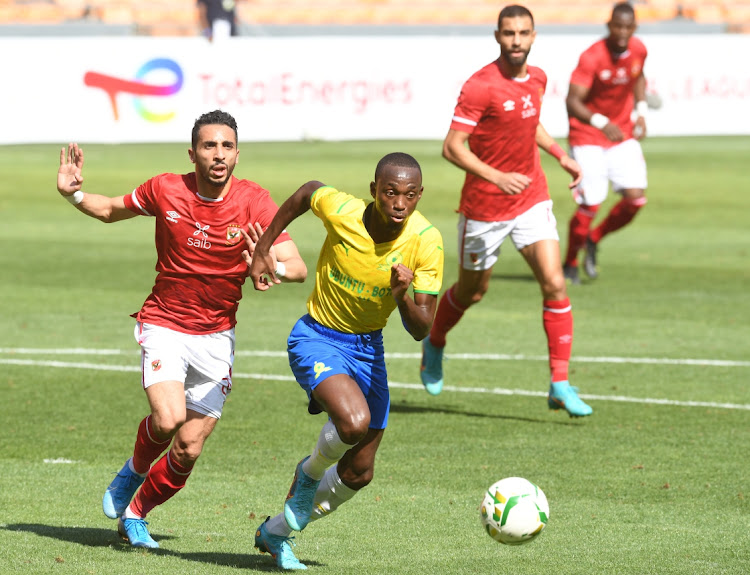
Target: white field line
{"points": [[394, 384], [396, 355]]}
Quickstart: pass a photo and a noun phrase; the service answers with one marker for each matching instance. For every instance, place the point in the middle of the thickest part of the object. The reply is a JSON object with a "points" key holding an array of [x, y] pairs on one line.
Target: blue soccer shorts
{"points": [[317, 352]]}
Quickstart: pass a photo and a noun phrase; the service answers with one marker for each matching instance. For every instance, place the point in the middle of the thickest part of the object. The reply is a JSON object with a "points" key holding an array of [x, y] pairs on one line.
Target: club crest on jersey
{"points": [[234, 234], [156, 365], [391, 260]]}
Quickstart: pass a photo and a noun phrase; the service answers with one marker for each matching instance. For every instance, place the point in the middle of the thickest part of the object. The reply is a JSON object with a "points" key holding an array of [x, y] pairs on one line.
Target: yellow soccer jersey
{"points": [[352, 291]]}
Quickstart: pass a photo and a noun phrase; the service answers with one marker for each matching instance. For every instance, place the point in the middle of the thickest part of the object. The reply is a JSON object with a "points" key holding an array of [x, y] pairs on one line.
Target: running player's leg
{"points": [[627, 171], [479, 248], [589, 195]]}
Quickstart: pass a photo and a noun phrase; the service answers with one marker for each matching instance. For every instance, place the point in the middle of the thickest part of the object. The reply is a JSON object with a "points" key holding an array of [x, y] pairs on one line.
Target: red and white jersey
{"points": [[610, 79], [501, 115], [199, 250]]}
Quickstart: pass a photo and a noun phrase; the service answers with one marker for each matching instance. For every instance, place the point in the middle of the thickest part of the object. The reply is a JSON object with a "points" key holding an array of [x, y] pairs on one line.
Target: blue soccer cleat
{"points": [[279, 547], [134, 531], [299, 501], [120, 492], [563, 396], [431, 371]]}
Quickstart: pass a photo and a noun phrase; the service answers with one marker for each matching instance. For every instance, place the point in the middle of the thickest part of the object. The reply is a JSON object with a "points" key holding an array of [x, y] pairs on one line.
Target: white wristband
{"points": [[642, 108], [599, 121], [76, 198], [280, 270]]}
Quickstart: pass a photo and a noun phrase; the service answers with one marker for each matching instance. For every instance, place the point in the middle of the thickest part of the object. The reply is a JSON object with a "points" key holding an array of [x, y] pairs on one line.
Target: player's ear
{"points": [[373, 189], [192, 155]]}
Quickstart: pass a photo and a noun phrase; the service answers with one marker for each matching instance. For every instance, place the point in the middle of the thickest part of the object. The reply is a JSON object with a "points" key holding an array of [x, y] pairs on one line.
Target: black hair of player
{"points": [[216, 117]]}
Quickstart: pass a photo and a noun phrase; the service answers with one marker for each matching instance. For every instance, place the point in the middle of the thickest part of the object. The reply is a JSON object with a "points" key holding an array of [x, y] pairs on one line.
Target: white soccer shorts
{"points": [[203, 363], [623, 165], [479, 242]]}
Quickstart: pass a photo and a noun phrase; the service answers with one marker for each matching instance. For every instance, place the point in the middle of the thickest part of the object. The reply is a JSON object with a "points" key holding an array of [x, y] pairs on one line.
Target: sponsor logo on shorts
{"points": [[319, 368], [156, 365]]}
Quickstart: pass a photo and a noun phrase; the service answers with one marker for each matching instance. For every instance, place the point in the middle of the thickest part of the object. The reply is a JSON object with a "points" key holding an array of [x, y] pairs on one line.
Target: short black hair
{"points": [[624, 9], [399, 160], [212, 118], [514, 11]]}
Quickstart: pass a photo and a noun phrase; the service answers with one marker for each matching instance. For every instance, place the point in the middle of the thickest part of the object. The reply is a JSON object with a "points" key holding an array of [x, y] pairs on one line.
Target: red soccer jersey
{"points": [[610, 79], [501, 115], [199, 250]]}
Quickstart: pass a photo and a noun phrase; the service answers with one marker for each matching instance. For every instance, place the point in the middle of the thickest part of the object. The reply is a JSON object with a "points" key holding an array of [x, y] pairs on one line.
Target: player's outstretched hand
{"points": [[401, 278], [261, 266], [512, 183], [69, 176], [572, 167]]}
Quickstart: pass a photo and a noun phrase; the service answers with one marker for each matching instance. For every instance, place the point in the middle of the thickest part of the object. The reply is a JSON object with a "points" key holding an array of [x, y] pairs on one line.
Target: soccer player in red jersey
{"points": [[605, 88], [505, 194], [186, 325]]}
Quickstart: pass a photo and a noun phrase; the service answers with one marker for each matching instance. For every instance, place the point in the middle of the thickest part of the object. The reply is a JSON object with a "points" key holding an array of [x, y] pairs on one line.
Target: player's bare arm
{"points": [[641, 106], [548, 144], [416, 314], [70, 180], [263, 267], [576, 105], [295, 269], [457, 152]]}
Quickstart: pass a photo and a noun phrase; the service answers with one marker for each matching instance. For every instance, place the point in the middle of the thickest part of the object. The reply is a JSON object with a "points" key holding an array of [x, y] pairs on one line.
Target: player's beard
{"points": [[217, 183], [516, 61]]}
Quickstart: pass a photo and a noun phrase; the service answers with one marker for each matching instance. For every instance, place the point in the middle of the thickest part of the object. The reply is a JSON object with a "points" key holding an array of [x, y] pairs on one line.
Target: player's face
{"points": [[515, 36], [621, 28], [396, 191], [215, 154]]}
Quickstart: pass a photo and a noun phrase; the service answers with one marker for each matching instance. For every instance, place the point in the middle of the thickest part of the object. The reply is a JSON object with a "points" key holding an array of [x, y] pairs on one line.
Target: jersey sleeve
{"points": [[428, 277], [142, 200], [472, 103], [327, 200], [585, 72]]}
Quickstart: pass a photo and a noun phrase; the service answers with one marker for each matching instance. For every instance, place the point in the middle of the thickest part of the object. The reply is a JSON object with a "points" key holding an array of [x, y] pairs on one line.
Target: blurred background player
{"points": [[505, 195], [218, 18], [186, 326], [373, 253], [605, 88]]}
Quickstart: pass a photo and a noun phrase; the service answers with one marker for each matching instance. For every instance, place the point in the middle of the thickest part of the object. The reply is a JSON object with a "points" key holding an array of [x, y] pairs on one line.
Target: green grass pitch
{"points": [[656, 482]]}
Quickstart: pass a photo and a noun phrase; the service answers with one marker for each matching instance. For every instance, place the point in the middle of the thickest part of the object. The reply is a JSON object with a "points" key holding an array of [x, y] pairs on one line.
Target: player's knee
{"points": [[186, 453], [355, 477], [554, 288], [166, 425], [354, 428]]}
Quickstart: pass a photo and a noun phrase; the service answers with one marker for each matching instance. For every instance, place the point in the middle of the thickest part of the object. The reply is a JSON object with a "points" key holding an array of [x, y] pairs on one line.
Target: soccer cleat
{"points": [[120, 492], [589, 261], [563, 396], [278, 546], [299, 501], [571, 274], [134, 531], [431, 370]]}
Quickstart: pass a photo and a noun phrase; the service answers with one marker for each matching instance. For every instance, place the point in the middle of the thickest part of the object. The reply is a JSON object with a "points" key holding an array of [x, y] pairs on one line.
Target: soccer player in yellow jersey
{"points": [[372, 254]]}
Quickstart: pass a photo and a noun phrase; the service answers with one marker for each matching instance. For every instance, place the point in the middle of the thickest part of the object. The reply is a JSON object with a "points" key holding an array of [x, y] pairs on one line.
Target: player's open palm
{"points": [[401, 278], [69, 176], [512, 182]]}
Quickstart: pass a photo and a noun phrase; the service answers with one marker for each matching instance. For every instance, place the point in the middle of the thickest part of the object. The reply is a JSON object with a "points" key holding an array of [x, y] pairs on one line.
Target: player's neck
{"points": [[213, 192], [376, 228], [510, 71]]}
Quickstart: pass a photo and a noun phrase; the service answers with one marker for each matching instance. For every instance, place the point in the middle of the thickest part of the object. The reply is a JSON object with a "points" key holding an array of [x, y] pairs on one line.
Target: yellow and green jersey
{"points": [[352, 291]]}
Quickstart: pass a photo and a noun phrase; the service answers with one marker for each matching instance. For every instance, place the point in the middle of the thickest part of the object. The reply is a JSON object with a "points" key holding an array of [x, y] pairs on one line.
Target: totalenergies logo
{"points": [[138, 87]]}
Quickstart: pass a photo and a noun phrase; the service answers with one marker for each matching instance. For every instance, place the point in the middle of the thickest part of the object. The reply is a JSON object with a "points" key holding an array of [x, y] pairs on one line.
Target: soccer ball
{"points": [[514, 511]]}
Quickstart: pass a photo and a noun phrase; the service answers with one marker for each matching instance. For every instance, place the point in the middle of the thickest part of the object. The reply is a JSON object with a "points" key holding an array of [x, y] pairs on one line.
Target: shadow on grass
{"points": [[97, 537], [409, 408]]}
